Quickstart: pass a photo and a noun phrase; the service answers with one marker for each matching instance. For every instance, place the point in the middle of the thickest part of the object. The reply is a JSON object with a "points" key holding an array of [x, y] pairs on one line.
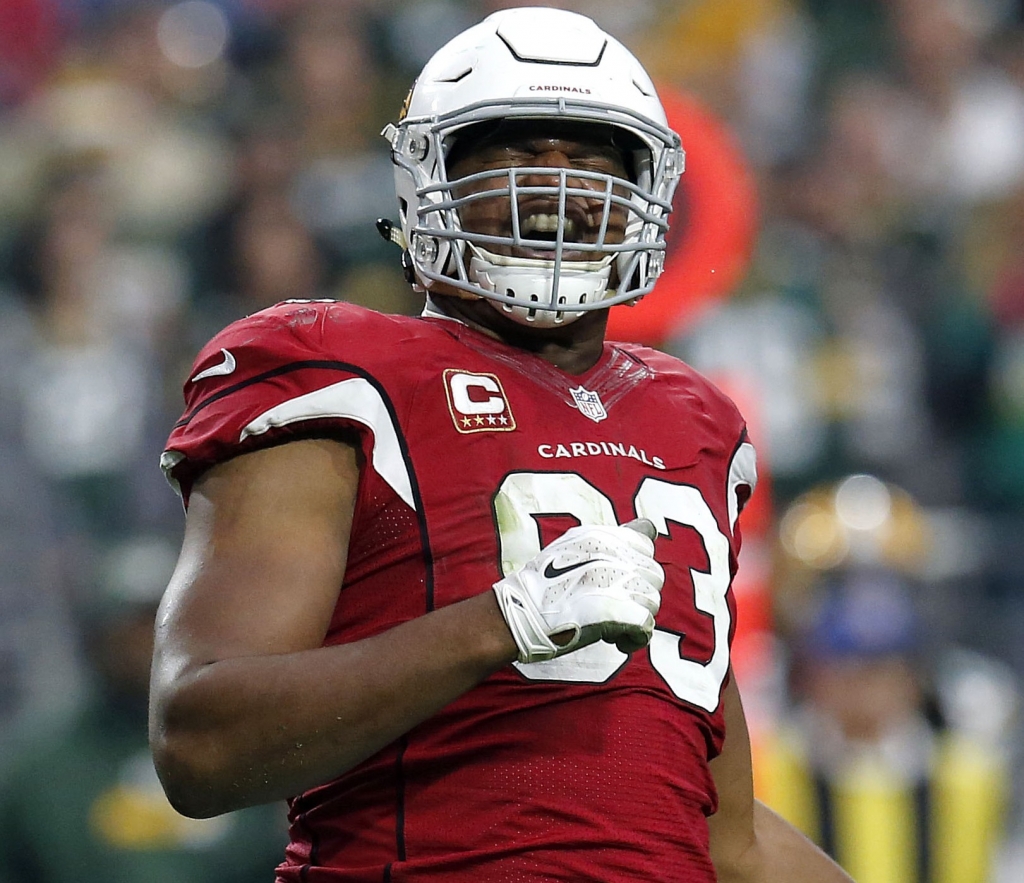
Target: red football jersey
{"points": [[593, 766]]}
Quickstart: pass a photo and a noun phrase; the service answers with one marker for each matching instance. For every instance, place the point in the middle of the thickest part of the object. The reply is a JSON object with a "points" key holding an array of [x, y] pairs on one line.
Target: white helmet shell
{"points": [[541, 64]]}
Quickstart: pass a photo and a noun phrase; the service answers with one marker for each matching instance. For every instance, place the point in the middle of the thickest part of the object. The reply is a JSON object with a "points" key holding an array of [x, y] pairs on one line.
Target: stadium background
{"points": [[847, 261]]}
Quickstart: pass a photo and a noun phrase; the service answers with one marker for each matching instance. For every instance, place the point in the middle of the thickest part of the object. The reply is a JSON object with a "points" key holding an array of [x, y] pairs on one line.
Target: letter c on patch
{"points": [[461, 384]]}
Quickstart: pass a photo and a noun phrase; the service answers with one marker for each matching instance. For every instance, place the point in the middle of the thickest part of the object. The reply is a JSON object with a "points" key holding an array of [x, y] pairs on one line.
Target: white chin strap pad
{"points": [[532, 282]]}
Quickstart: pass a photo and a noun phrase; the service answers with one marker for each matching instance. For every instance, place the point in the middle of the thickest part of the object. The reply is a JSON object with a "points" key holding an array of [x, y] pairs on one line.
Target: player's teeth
{"points": [[543, 224]]}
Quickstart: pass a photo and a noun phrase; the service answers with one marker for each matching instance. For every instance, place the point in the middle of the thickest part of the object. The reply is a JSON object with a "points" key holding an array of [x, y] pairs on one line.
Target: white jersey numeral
{"points": [[524, 497], [694, 682]]}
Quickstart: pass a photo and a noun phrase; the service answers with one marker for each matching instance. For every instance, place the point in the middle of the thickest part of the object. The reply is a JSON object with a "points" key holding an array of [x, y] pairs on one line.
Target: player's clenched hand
{"points": [[594, 583]]}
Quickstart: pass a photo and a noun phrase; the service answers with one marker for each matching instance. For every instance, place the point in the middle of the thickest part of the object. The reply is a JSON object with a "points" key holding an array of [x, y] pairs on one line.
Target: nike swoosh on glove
{"points": [[594, 583]]}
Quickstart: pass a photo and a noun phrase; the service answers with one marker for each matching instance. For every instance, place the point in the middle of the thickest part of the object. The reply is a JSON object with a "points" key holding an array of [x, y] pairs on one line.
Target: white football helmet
{"points": [[535, 64]]}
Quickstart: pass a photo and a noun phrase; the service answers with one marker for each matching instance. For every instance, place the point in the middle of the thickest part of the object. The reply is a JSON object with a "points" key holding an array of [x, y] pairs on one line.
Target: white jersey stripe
{"points": [[353, 399], [742, 471]]}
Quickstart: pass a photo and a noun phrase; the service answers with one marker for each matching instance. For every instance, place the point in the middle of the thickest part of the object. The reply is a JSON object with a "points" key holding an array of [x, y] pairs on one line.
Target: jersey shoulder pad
{"points": [[274, 375], [710, 412], [685, 377]]}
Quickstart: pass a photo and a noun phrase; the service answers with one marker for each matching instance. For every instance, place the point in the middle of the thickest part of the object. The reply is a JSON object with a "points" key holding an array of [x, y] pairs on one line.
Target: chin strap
{"points": [[391, 232], [532, 281]]}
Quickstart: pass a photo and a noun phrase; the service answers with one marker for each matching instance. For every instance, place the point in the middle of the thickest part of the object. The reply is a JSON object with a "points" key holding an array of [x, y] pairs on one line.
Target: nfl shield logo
{"points": [[589, 404]]}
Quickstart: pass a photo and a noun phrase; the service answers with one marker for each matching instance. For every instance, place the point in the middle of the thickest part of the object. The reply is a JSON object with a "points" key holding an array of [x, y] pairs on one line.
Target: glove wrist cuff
{"points": [[525, 623]]}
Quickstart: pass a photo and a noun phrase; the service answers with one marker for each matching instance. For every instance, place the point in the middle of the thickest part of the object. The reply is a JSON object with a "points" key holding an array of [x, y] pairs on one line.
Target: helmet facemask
{"points": [[537, 234]]}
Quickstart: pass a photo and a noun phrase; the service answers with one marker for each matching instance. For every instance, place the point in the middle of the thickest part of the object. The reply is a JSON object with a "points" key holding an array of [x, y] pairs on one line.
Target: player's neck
{"points": [[574, 348]]}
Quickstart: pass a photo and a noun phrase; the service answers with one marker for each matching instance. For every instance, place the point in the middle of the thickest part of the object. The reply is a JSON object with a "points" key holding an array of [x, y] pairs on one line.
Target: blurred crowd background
{"points": [[855, 179]]}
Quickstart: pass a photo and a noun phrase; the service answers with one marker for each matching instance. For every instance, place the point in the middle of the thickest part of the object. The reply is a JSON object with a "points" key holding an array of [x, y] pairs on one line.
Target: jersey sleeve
{"points": [[265, 380], [742, 477]]}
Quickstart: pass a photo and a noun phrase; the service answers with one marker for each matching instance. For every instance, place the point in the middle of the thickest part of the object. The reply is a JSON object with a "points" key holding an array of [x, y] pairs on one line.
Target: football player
{"points": [[459, 586]]}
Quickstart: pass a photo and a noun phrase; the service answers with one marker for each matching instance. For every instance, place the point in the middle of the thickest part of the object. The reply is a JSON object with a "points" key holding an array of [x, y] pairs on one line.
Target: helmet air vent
{"points": [[454, 78], [569, 41], [647, 93]]}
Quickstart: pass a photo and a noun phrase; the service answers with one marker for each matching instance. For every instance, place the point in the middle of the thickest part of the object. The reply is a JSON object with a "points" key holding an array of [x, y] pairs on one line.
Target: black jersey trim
{"points": [[326, 364], [403, 744]]}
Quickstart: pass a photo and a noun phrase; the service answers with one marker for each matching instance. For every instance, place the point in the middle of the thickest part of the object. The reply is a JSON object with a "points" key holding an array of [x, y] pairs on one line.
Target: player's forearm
{"points": [[779, 853], [253, 729]]}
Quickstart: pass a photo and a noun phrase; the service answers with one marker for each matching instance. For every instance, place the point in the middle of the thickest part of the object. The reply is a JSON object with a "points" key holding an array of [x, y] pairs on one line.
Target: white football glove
{"points": [[594, 583]]}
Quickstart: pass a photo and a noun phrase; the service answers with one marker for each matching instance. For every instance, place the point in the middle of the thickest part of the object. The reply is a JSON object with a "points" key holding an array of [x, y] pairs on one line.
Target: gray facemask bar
{"points": [[653, 224], [648, 243], [513, 190]]}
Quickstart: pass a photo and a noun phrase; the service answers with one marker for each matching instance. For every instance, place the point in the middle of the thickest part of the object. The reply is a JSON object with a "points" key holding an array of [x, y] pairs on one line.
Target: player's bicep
{"points": [[263, 555]]}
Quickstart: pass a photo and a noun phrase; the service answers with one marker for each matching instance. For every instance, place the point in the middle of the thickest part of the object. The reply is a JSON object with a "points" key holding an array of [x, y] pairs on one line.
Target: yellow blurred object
{"points": [[706, 35], [859, 520], [884, 828], [142, 819]]}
